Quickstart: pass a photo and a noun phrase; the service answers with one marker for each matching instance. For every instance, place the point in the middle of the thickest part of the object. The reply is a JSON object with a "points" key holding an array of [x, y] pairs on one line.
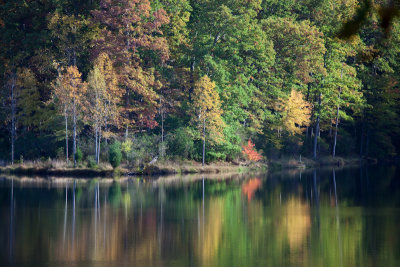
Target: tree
{"points": [[114, 154], [296, 113], [11, 85], [29, 104], [23, 102], [207, 109], [132, 37], [300, 50], [343, 95], [299, 61], [69, 91], [103, 96], [250, 152], [71, 35]]}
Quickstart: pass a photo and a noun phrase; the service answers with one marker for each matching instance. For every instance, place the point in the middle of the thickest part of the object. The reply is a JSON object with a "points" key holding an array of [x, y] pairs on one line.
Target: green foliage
{"points": [[126, 147], [91, 163], [180, 144], [79, 155], [215, 156], [146, 64], [114, 154], [143, 148]]}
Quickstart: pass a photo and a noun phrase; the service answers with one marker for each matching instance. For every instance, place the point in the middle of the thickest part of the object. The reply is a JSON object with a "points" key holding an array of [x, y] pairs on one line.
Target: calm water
{"points": [[344, 218]]}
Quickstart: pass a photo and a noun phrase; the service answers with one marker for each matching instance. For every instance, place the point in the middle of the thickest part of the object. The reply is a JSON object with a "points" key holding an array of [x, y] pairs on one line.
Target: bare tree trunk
{"points": [[162, 127], [12, 84], [362, 140], [192, 68], [204, 139], [13, 111], [317, 130], [74, 135], [95, 140], [337, 119], [98, 148], [336, 128], [367, 144], [66, 134]]}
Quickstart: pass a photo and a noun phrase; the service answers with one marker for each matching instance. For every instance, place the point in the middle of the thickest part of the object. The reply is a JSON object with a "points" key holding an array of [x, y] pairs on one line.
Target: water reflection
{"points": [[11, 238], [284, 219], [250, 187]]}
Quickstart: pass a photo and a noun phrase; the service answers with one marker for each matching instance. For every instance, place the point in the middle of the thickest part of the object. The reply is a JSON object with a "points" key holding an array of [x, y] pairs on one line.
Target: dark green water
{"points": [[347, 218]]}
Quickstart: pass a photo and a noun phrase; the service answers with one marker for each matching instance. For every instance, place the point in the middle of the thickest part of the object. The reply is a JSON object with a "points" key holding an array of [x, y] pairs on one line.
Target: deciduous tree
{"points": [[104, 97], [296, 113], [131, 35], [70, 90], [207, 111]]}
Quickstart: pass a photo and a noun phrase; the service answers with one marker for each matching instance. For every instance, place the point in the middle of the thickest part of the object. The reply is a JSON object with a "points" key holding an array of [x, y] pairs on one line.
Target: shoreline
{"points": [[180, 168], [164, 169]]}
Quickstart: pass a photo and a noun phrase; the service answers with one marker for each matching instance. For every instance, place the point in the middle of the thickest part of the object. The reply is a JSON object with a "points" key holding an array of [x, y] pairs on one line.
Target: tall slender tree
{"points": [[207, 109], [103, 98], [70, 91]]}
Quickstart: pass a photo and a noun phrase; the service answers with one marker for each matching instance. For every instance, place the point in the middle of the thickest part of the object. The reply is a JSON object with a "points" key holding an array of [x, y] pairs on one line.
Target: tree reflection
{"points": [[208, 223]]}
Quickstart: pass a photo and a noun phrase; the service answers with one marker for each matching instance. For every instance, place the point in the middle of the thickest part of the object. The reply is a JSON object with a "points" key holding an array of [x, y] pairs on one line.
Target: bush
{"points": [[126, 147], [180, 144], [78, 155], [215, 156], [91, 162], [115, 154], [143, 149]]}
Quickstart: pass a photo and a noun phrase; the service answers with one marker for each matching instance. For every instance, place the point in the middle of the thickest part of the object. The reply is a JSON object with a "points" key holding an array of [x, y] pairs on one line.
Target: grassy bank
{"points": [[57, 169], [60, 169], [161, 168], [189, 167], [64, 172], [305, 163]]}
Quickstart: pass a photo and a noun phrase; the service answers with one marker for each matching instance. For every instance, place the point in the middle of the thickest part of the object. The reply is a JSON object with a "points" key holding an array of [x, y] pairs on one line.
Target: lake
{"points": [[347, 217]]}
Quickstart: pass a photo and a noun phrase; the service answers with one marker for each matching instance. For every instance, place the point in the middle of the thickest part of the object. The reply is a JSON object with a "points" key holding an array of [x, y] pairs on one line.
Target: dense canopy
{"points": [[179, 78]]}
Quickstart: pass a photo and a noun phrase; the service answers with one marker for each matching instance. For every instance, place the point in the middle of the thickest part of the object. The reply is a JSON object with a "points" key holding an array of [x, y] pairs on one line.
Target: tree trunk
{"points": [[367, 144], [337, 118], [362, 140], [66, 135], [317, 129], [98, 148], [13, 114], [204, 139], [74, 135], [96, 144], [12, 128], [192, 68], [162, 128], [336, 127]]}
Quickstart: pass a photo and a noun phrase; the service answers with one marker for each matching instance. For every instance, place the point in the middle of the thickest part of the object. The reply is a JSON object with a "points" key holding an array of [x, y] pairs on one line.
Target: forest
{"points": [[200, 80]]}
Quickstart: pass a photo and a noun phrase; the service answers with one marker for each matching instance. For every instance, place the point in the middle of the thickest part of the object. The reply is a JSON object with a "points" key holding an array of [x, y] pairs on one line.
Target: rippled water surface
{"points": [[328, 217]]}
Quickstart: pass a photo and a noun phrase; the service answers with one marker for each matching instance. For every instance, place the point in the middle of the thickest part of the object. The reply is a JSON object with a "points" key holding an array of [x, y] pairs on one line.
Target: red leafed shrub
{"points": [[249, 152]]}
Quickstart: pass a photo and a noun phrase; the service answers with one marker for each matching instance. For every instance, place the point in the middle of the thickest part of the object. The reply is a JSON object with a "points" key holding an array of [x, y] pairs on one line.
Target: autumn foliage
{"points": [[249, 152]]}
